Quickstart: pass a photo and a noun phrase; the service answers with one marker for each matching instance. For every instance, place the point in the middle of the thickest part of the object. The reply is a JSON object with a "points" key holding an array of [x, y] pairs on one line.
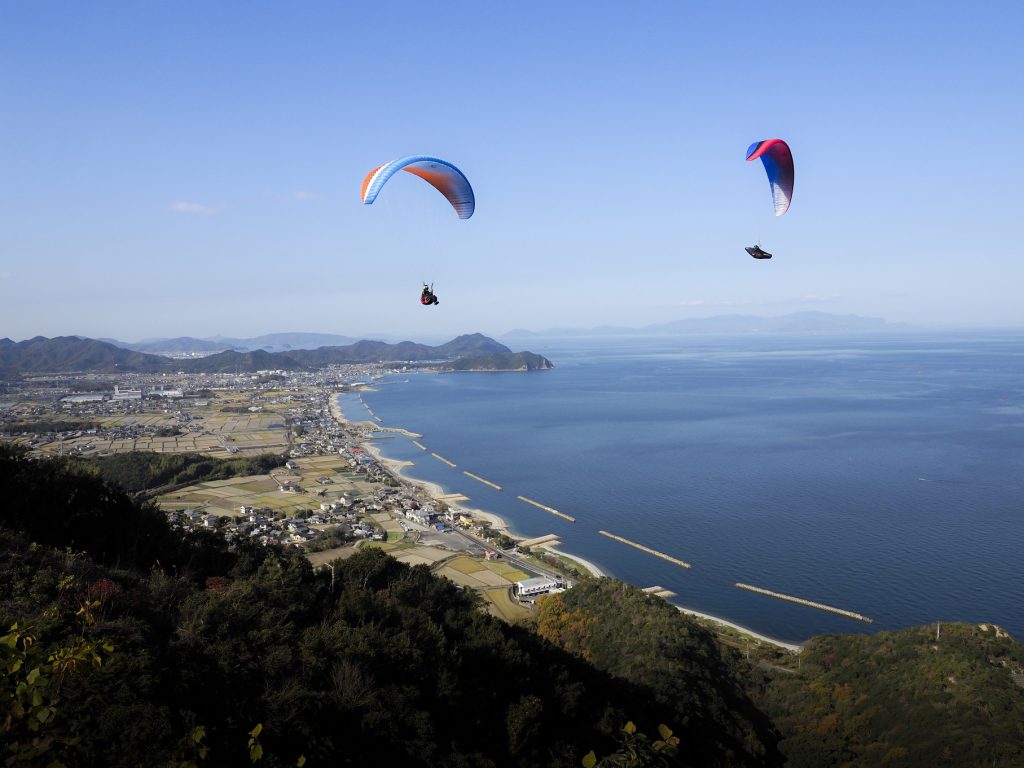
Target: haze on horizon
{"points": [[193, 170]]}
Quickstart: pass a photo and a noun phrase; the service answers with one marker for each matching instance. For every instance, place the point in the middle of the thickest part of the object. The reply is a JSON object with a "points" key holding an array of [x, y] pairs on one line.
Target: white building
{"points": [[538, 585], [162, 392]]}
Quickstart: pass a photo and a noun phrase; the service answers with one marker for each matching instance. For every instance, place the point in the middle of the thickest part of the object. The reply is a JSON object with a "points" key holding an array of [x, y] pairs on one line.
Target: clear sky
{"points": [[193, 168]]}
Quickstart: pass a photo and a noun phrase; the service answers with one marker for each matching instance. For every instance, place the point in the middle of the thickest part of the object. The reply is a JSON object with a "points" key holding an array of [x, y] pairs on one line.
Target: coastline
{"points": [[792, 647], [434, 490], [437, 492]]}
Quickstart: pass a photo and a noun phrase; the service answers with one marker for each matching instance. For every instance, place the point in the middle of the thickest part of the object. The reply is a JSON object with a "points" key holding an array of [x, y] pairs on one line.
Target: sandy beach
{"points": [[434, 490], [437, 492], [763, 638], [594, 570]]}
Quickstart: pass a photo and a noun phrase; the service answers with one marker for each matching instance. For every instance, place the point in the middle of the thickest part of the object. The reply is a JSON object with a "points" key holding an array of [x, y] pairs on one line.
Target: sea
{"points": [[881, 474]]}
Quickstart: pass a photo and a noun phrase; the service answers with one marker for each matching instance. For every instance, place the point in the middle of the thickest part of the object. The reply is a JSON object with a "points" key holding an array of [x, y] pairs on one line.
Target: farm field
{"points": [[227, 497], [209, 430]]}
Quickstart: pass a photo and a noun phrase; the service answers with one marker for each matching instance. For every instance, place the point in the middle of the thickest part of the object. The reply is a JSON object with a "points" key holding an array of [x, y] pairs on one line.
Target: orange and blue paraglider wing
{"points": [[440, 174], [778, 164]]}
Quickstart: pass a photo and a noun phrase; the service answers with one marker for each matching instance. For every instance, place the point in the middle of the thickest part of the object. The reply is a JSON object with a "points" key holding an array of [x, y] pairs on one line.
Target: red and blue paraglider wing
{"points": [[440, 174], [778, 164]]}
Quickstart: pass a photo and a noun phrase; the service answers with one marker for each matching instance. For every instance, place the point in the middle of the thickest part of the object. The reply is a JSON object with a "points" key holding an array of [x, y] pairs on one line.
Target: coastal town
{"points": [[329, 493]]}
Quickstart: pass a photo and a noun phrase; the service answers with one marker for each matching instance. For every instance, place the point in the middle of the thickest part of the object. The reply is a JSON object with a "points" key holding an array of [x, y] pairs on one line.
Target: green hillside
{"points": [[904, 699]]}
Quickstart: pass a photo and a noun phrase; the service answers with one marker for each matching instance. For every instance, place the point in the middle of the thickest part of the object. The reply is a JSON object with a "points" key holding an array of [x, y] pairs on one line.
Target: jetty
{"points": [[548, 509], [648, 550], [400, 431], [661, 592], [419, 445], [550, 539], [442, 458], [452, 498], [808, 603], [495, 486]]}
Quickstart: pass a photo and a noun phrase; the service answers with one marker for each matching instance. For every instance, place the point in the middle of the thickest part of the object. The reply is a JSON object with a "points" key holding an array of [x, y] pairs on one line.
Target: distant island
{"points": [[470, 352], [797, 322]]}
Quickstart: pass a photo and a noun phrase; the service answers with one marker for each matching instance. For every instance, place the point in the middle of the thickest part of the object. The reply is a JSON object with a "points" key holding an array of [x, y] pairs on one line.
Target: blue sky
{"points": [[193, 168]]}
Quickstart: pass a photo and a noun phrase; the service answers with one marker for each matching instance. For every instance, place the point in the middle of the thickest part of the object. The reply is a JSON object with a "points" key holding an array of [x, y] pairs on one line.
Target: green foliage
{"points": [[904, 698], [30, 689], [41, 426], [255, 748], [630, 634], [636, 750], [501, 361], [144, 470], [58, 503]]}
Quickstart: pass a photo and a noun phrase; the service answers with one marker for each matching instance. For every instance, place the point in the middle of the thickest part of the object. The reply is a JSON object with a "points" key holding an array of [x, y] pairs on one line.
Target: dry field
{"points": [[226, 497], [492, 579], [210, 431]]}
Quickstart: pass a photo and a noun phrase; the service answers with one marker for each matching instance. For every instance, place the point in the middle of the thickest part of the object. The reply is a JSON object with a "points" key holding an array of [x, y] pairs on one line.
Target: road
{"points": [[465, 542]]}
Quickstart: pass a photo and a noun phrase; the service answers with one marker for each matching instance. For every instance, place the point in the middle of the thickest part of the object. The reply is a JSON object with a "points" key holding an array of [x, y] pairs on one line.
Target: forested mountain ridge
{"points": [[508, 361], [71, 353]]}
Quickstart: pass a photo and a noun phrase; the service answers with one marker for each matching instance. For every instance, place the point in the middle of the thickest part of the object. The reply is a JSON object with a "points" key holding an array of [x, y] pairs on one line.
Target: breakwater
{"points": [[442, 458], [548, 509], [495, 486], [808, 603], [648, 550], [419, 445], [397, 431], [376, 429]]}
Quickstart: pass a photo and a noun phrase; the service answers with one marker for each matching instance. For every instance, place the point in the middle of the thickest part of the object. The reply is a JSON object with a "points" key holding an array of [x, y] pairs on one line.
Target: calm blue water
{"points": [[880, 474]]}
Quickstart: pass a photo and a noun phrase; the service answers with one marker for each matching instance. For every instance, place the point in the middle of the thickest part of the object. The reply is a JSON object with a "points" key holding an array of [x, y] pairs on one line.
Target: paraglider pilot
{"points": [[427, 297]]}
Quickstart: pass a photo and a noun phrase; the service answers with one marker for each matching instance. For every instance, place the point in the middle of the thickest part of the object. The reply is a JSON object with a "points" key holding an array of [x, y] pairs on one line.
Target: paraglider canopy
{"points": [[440, 174], [778, 164]]}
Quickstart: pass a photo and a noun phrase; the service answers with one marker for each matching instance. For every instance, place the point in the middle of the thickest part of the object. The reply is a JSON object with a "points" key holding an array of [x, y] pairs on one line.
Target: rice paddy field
{"points": [[227, 497], [210, 430]]}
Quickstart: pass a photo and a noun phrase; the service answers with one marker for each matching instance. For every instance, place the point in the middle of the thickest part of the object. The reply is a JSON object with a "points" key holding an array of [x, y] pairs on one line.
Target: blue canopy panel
{"points": [[440, 174]]}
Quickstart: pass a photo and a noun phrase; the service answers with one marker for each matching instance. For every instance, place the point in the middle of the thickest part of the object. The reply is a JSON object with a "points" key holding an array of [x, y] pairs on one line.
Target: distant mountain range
{"points": [[271, 342], [797, 322], [68, 354]]}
